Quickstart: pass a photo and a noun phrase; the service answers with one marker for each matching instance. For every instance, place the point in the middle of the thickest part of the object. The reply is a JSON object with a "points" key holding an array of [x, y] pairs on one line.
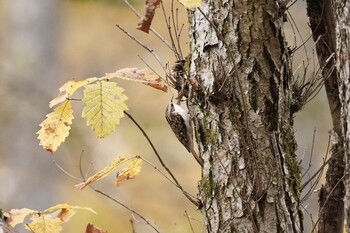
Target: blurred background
{"points": [[43, 44]]}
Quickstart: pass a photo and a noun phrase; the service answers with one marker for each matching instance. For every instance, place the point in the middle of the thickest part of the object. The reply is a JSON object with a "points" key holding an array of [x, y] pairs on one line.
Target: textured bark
{"points": [[240, 102], [343, 65], [322, 24]]}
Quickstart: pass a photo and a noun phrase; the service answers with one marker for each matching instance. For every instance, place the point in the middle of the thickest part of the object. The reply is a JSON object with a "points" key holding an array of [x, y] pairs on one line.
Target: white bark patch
{"points": [[207, 79], [241, 163]]}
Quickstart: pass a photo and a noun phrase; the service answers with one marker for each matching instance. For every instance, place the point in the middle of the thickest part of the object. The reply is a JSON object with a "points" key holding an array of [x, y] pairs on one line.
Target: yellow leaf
{"points": [[48, 221], [44, 224], [55, 128], [68, 90], [17, 216], [191, 3], [66, 206], [104, 107], [145, 76], [104, 172], [129, 172]]}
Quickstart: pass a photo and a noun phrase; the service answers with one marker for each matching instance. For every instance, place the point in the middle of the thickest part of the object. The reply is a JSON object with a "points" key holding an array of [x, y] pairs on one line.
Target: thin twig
{"points": [[318, 171], [149, 66], [190, 198], [309, 214], [329, 195], [299, 33], [311, 153], [163, 174], [151, 29], [189, 221], [177, 35], [81, 166], [167, 22], [142, 45], [108, 196], [65, 172], [132, 226], [126, 207]]}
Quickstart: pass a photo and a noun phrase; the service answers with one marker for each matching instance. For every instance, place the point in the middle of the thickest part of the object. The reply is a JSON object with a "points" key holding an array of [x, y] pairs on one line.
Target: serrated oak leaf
{"points": [[145, 76], [44, 224], [191, 3], [68, 89], [132, 170], [146, 21], [55, 128], [104, 172], [104, 106]]}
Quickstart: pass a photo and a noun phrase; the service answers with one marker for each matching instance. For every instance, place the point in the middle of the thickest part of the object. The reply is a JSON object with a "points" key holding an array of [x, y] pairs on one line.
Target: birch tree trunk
{"points": [[241, 104], [343, 65]]}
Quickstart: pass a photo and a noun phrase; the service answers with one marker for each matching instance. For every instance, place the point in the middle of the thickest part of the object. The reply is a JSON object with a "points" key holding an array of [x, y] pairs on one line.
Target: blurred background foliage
{"points": [[44, 44]]}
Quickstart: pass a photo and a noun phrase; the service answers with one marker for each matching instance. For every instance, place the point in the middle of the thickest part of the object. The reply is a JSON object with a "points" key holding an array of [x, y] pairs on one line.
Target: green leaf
{"points": [[104, 107]]}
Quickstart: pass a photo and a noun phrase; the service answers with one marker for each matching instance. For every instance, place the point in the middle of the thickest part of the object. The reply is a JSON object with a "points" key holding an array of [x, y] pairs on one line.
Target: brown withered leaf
{"points": [[102, 173], [129, 172], [144, 76], [146, 21], [90, 228]]}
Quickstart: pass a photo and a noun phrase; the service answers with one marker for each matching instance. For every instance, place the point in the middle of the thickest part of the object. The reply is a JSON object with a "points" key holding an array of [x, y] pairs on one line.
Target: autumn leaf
{"points": [[65, 211], [47, 221], [55, 128], [145, 76], [104, 172], [150, 10], [51, 219], [44, 224], [68, 90], [129, 172], [17, 216], [104, 106], [191, 3], [90, 228]]}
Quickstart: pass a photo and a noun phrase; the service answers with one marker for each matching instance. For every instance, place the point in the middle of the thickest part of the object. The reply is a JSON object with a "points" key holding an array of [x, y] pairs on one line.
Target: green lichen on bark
{"points": [[207, 186], [293, 165]]}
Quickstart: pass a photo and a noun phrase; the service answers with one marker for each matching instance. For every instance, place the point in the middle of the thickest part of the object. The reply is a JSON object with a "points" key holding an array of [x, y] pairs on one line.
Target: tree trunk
{"points": [[343, 65], [322, 24], [241, 103]]}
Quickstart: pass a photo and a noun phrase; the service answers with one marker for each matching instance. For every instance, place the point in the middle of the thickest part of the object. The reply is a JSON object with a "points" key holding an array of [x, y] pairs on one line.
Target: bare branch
{"points": [[126, 207], [191, 199], [151, 29], [142, 45]]}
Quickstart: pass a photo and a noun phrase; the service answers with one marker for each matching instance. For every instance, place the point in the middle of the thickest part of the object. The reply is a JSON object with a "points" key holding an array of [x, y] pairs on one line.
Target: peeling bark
{"points": [[242, 117]]}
